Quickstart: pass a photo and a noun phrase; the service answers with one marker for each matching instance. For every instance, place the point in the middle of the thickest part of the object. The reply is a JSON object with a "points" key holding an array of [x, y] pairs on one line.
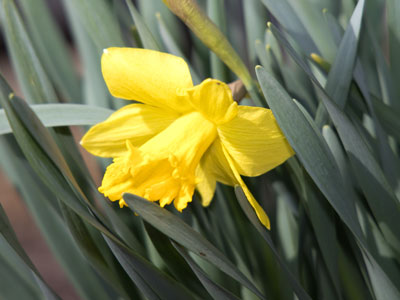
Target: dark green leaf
{"points": [[174, 262], [33, 79], [145, 35], [310, 148], [255, 17], [183, 234], [250, 214], [389, 118], [288, 18], [341, 72], [94, 90], [97, 18], [152, 283], [51, 48], [148, 10], [367, 170], [13, 251], [172, 46], [45, 158], [215, 290]]}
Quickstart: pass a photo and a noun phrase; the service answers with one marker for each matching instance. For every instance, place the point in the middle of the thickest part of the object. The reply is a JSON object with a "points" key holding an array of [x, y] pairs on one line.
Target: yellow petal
{"points": [[136, 123], [147, 76], [254, 141], [262, 216], [213, 99], [206, 185], [215, 164]]}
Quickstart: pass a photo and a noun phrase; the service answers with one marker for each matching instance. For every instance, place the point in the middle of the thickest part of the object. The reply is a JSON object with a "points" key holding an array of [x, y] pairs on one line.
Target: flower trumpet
{"points": [[179, 137]]}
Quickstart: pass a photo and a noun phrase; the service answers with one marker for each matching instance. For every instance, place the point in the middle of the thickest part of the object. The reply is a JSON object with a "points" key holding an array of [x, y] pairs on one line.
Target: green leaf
{"points": [[94, 89], [93, 247], [312, 17], [174, 262], [46, 159], [286, 224], [383, 287], [153, 283], [64, 248], [41, 204], [51, 48], [183, 234], [310, 148], [12, 271], [148, 10], [126, 262], [55, 115], [122, 228], [393, 29], [34, 82], [366, 169], [97, 18], [145, 34], [341, 72], [254, 21], [173, 47], [215, 290], [250, 214], [288, 18], [12, 250], [216, 12], [338, 152], [389, 118]]}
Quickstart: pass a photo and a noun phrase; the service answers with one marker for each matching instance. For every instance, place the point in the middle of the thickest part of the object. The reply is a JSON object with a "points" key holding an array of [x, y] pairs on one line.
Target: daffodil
{"points": [[180, 137]]}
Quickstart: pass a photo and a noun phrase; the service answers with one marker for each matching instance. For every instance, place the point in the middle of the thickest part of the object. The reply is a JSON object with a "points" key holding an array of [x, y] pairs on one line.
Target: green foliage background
{"points": [[334, 206]]}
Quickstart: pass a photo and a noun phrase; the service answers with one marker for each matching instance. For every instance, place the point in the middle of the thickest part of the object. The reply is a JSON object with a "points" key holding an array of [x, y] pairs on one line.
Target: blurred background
{"points": [[26, 230], [23, 224]]}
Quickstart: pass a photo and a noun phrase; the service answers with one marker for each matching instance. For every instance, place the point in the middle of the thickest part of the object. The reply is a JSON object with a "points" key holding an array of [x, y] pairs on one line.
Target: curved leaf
{"points": [[54, 115]]}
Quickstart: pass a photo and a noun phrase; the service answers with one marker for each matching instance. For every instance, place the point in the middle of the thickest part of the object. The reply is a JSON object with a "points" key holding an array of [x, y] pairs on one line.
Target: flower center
{"points": [[162, 169]]}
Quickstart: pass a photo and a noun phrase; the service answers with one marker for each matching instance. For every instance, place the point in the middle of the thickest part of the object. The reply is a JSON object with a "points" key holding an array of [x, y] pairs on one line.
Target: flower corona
{"points": [[179, 137]]}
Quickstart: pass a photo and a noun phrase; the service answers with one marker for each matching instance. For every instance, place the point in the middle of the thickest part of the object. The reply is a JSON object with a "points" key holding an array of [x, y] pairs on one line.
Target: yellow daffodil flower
{"points": [[180, 137]]}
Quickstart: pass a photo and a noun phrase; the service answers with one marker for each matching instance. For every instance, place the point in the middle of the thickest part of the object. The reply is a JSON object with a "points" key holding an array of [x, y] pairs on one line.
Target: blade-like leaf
{"points": [[389, 117], [183, 234], [173, 47], [288, 18], [148, 10], [9, 246], [45, 158], [99, 22], [51, 48], [12, 271], [215, 290], [367, 170], [341, 72], [254, 20], [250, 214], [174, 262], [55, 115], [312, 17], [146, 36], [153, 283], [310, 148], [33, 79], [216, 12], [94, 90]]}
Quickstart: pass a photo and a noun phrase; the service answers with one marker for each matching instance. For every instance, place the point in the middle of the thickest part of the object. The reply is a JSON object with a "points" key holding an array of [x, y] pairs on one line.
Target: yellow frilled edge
{"points": [[179, 137]]}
